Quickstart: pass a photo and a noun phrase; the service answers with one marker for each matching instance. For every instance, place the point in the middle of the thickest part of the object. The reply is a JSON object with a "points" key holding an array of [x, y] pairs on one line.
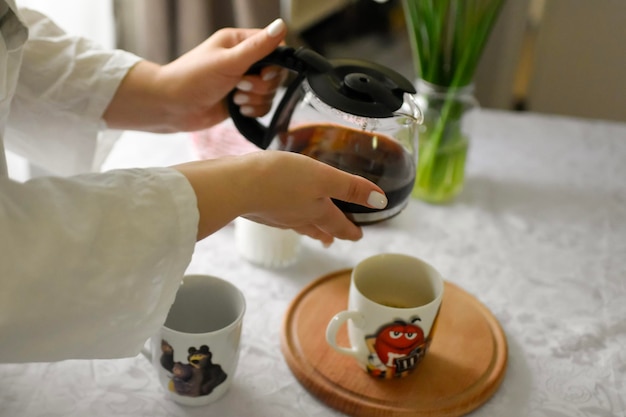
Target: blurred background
{"points": [[561, 57]]}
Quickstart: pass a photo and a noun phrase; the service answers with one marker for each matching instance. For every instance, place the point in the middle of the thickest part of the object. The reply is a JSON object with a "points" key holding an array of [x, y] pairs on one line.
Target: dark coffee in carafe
{"points": [[380, 159]]}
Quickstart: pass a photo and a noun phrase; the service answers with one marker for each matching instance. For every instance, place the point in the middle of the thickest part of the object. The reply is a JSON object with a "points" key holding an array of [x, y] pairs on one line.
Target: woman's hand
{"points": [[280, 189], [188, 93]]}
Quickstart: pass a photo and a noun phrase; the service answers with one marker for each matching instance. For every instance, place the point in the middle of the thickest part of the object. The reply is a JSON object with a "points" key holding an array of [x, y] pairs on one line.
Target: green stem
{"points": [[447, 37]]}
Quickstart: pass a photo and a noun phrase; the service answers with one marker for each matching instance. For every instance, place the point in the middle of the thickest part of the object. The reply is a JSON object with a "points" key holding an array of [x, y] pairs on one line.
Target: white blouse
{"points": [[89, 263]]}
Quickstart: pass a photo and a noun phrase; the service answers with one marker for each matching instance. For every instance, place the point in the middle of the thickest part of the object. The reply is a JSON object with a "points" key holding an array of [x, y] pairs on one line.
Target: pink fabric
{"points": [[221, 140]]}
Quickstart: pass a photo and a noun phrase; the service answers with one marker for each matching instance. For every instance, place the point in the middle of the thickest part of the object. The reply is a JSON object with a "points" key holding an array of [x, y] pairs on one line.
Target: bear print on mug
{"points": [[198, 377]]}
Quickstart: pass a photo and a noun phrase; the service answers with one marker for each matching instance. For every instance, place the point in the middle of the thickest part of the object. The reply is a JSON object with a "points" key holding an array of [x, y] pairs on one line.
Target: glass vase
{"points": [[443, 140]]}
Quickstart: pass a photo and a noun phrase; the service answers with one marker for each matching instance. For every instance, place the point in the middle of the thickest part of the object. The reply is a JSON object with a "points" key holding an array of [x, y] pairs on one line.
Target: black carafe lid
{"points": [[358, 87]]}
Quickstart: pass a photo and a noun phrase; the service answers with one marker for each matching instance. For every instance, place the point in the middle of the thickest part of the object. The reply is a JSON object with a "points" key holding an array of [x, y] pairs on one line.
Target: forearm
{"points": [[221, 190], [164, 99], [140, 102]]}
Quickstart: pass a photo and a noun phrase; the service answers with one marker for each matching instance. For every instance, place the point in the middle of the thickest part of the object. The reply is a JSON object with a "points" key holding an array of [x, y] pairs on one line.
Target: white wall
{"points": [[580, 60]]}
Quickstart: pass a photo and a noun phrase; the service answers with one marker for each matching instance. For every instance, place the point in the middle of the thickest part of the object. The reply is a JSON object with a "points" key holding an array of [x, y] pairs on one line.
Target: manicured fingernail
{"points": [[240, 98], [377, 200], [269, 75], [244, 85], [246, 110], [275, 28]]}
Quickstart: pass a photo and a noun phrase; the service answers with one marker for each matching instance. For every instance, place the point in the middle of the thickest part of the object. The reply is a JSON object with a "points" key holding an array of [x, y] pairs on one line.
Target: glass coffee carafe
{"points": [[357, 116]]}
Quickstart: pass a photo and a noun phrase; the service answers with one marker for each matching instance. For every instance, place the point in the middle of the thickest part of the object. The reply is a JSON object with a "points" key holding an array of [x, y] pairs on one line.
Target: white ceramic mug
{"points": [[265, 245], [393, 304], [196, 351]]}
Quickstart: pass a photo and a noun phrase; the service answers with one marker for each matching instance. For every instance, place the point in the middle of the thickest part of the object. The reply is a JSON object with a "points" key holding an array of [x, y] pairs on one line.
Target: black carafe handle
{"points": [[299, 61]]}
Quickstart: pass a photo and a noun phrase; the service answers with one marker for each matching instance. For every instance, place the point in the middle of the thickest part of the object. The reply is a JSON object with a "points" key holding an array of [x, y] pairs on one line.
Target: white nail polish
{"points": [[270, 75], [377, 200], [275, 28], [244, 85], [246, 110], [240, 98]]}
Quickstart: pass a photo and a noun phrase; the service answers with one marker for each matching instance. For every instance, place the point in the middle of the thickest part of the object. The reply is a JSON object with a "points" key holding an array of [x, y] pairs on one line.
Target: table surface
{"points": [[538, 235]]}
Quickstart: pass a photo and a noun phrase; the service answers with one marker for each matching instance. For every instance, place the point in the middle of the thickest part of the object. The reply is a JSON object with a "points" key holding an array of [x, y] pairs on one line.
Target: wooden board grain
{"points": [[462, 370]]}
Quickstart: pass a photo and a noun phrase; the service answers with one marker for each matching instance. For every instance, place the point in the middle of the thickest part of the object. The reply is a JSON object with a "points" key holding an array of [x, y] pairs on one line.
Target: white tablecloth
{"points": [[538, 235]]}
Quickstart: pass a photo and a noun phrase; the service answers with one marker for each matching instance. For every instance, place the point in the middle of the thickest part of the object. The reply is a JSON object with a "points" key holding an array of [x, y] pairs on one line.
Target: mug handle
{"points": [[333, 327]]}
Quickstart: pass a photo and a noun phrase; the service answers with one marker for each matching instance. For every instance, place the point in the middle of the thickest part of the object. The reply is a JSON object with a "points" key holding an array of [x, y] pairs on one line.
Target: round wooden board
{"points": [[462, 370]]}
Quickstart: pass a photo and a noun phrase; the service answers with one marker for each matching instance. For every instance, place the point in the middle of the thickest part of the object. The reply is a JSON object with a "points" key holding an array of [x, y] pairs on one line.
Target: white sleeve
{"points": [[89, 265], [64, 87]]}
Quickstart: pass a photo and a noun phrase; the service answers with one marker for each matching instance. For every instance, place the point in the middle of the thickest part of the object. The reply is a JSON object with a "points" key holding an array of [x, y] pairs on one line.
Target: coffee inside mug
{"points": [[204, 305], [401, 284]]}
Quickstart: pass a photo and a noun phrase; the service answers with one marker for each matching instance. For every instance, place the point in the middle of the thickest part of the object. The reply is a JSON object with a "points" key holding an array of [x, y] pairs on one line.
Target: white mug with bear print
{"points": [[196, 351]]}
